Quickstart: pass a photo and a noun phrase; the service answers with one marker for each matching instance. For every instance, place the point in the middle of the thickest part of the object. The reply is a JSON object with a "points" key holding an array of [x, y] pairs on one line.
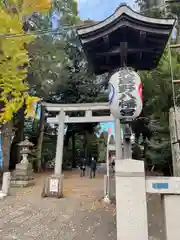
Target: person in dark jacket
{"points": [[82, 167], [93, 167]]}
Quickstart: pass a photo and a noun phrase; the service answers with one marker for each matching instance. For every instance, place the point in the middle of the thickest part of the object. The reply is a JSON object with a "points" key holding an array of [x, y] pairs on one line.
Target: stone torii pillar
{"points": [[60, 144], [53, 186]]}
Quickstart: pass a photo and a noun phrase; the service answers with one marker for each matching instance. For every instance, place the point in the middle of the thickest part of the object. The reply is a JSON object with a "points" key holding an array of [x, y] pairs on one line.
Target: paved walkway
{"points": [[80, 215]]}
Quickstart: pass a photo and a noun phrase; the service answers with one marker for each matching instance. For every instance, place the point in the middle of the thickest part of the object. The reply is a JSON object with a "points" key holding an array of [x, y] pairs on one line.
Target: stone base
{"points": [[112, 189], [22, 176], [53, 187], [22, 182], [2, 195], [23, 169]]}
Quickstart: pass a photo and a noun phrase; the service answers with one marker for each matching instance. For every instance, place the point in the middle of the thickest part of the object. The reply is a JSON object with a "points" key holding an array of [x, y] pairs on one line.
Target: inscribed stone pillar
{"points": [[53, 186], [131, 206], [172, 216]]}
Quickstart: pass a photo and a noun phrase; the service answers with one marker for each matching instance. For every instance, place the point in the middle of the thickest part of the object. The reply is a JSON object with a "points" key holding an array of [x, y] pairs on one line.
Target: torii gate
{"points": [[63, 118]]}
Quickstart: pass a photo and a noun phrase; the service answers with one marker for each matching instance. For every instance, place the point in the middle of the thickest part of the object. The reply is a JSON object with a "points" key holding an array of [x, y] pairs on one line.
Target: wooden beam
{"points": [[142, 38], [123, 53], [116, 50], [155, 40], [106, 41]]}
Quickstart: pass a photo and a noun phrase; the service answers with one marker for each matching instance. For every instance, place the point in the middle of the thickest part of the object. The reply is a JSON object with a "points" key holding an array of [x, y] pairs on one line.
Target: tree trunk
{"points": [[40, 140], [7, 134], [15, 155], [73, 150], [66, 143], [87, 153], [67, 137]]}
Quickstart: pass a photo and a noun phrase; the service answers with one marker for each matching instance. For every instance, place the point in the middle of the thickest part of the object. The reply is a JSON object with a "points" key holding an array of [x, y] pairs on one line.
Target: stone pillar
{"points": [[118, 139], [174, 126], [131, 206], [5, 185], [53, 186], [6, 182], [60, 144], [172, 216], [118, 142]]}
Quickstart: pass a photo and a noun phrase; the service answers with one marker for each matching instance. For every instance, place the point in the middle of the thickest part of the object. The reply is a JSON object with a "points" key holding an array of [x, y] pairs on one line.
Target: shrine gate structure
{"points": [[127, 39]]}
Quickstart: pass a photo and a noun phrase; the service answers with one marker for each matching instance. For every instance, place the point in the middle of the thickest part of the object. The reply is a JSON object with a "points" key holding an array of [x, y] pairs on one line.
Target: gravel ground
{"points": [[26, 216], [80, 214]]}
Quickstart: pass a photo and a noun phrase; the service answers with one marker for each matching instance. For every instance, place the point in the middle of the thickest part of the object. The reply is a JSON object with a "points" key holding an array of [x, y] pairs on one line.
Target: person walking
{"points": [[93, 166], [82, 167]]}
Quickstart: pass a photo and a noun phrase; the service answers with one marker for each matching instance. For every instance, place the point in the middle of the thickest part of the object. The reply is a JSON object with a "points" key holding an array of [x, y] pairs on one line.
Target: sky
{"points": [[98, 9], [105, 126]]}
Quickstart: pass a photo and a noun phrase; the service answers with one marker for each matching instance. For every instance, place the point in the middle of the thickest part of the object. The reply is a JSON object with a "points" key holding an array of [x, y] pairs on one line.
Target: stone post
{"points": [[172, 216], [60, 144], [118, 142], [6, 182], [118, 139], [53, 186], [131, 206]]}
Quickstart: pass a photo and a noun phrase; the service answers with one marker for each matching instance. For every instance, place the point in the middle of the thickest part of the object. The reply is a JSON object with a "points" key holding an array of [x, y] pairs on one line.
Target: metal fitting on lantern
{"points": [[127, 132]]}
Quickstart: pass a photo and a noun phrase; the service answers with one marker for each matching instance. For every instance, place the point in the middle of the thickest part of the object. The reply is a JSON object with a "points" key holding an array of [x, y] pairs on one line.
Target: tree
{"points": [[153, 129], [14, 57], [48, 68], [58, 72], [14, 62]]}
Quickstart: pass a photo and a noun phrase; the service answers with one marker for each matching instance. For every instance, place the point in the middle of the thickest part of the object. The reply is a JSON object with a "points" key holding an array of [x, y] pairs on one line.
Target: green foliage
{"points": [[58, 72], [158, 97], [14, 57]]}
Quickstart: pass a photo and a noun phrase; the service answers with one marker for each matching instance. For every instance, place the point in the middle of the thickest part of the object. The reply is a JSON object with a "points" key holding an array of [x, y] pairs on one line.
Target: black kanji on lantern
{"points": [[126, 85]]}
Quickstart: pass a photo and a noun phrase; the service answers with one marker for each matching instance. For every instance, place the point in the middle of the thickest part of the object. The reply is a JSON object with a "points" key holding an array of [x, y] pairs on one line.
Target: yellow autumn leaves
{"points": [[14, 59], [30, 6]]}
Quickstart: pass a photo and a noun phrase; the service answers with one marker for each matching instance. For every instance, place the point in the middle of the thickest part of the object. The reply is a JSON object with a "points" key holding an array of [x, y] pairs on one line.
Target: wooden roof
{"points": [[125, 38]]}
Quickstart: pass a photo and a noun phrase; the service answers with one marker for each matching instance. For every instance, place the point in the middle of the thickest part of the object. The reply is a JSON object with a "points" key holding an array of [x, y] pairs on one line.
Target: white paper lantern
{"points": [[125, 94]]}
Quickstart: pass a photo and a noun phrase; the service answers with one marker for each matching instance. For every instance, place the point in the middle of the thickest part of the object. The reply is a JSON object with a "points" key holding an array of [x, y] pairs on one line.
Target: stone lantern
{"points": [[22, 176], [25, 150]]}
